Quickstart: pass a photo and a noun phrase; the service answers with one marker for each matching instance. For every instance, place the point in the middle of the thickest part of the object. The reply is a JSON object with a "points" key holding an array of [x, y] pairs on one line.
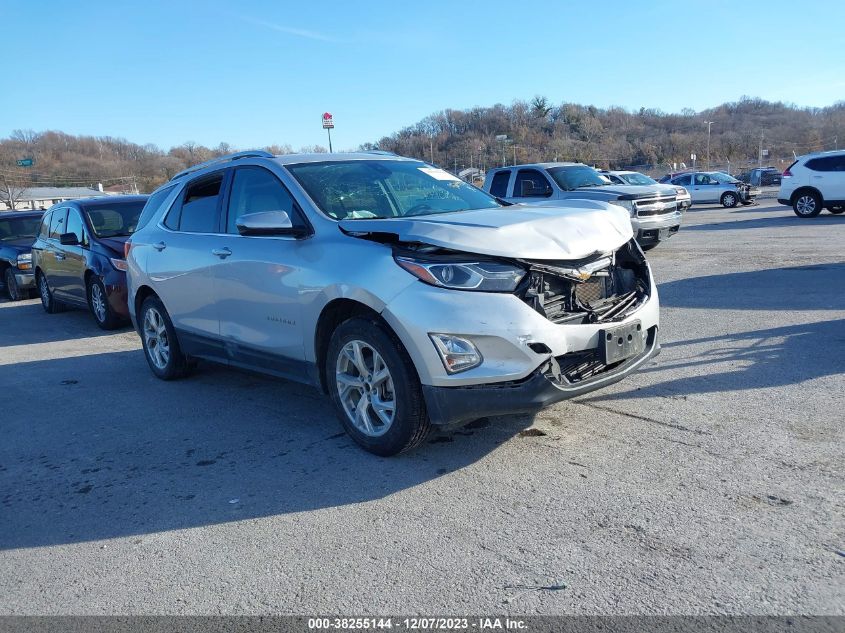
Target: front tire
{"points": [[836, 210], [807, 205], [98, 302], [48, 301], [158, 337], [12, 290], [729, 200], [375, 388]]}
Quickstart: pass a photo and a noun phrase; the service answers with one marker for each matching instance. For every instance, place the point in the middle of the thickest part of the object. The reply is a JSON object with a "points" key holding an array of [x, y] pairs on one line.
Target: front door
{"points": [[257, 283]]}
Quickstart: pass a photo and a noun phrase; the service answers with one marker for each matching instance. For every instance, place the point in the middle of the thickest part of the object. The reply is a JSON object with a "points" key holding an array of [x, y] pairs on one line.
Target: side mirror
{"points": [[68, 239], [267, 223]]}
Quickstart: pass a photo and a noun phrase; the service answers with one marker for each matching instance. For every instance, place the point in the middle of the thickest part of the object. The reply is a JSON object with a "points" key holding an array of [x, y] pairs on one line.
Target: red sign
{"points": [[328, 122]]}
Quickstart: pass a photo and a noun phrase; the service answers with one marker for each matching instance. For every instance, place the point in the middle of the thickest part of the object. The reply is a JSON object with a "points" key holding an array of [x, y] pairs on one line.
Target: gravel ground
{"points": [[711, 482]]}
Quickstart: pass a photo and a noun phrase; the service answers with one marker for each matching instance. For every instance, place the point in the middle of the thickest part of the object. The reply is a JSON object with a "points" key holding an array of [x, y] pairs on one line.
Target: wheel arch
{"points": [[805, 189], [141, 295]]}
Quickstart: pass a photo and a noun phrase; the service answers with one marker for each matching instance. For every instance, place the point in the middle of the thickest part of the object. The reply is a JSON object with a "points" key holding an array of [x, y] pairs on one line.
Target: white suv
{"points": [[409, 296], [815, 182]]}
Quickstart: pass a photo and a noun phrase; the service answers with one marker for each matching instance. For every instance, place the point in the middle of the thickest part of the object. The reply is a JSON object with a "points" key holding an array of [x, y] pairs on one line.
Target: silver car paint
{"points": [[270, 292]]}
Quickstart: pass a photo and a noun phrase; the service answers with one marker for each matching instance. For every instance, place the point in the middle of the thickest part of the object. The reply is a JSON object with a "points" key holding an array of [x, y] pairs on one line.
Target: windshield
{"points": [[115, 219], [19, 228], [577, 176], [359, 189], [635, 178], [722, 177]]}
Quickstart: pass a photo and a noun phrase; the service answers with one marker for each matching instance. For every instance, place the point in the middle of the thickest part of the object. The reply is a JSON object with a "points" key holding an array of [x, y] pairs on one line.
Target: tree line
{"points": [[482, 137]]}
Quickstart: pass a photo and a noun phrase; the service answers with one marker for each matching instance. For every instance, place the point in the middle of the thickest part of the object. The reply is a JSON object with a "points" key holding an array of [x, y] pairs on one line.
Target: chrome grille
{"points": [[656, 206]]}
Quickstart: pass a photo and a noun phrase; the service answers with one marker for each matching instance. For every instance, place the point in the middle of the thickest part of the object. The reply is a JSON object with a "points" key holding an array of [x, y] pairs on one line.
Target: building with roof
{"points": [[45, 197]]}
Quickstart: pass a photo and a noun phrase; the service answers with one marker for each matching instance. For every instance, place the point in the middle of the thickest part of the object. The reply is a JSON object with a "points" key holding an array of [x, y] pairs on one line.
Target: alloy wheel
{"points": [[44, 289], [98, 302], [155, 338], [805, 205], [365, 387]]}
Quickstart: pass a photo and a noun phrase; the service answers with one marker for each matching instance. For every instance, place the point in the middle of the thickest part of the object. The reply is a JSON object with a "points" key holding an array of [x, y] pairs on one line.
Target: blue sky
{"points": [[253, 73]]}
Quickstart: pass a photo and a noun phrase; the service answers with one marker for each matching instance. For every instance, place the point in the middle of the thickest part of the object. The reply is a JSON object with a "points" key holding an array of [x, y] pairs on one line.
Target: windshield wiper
{"points": [[590, 184]]}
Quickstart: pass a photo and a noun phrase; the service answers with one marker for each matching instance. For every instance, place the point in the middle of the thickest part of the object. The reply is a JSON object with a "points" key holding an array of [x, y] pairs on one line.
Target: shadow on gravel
{"points": [[26, 324], [775, 221], [98, 448], [759, 359], [816, 287]]}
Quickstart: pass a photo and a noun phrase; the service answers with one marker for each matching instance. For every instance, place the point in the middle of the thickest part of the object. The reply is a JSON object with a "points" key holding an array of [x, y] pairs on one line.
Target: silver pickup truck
{"points": [[654, 210]]}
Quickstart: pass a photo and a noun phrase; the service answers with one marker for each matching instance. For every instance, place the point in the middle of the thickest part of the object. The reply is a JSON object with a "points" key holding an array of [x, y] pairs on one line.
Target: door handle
{"points": [[222, 253], [160, 246], [59, 256]]}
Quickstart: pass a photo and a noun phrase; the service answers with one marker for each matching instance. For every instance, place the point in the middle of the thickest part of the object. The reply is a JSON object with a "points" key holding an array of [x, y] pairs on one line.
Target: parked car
{"points": [[761, 176], [714, 186], [78, 257], [17, 233], [412, 298], [815, 182], [636, 178], [653, 210]]}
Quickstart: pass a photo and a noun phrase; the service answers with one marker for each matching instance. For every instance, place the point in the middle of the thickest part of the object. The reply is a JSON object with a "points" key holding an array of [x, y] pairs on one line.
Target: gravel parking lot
{"points": [[711, 482]]}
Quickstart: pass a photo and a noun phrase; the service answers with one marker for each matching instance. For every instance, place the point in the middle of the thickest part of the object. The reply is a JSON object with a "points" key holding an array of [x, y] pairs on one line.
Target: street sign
{"points": [[328, 122], [25, 162]]}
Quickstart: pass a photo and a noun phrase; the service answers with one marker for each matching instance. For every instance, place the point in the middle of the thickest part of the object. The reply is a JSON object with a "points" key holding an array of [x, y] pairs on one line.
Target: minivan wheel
{"points": [[98, 301], [807, 205], [729, 200], [161, 347], [12, 290], [375, 388], [48, 302]]}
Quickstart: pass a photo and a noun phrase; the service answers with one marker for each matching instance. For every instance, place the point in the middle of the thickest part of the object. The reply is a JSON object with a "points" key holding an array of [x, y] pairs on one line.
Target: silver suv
{"points": [[412, 298]]}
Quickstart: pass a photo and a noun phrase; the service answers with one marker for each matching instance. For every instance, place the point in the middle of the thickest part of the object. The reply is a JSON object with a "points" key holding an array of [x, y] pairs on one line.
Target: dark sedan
{"points": [[78, 257], [17, 233]]}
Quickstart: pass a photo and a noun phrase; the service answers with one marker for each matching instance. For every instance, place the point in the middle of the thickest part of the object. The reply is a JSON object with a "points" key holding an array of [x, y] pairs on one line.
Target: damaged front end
{"points": [[599, 289]]}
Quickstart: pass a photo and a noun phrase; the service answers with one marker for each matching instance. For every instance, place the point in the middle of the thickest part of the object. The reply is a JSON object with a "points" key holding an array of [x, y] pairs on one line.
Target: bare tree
{"points": [[11, 191]]}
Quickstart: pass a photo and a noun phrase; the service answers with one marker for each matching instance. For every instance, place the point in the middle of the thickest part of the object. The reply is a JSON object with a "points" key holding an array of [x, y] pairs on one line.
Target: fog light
{"points": [[458, 354]]}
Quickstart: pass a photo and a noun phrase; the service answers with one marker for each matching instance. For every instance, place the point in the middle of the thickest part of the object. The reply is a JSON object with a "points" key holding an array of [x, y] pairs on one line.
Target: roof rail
{"points": [[251, 153], [381, 152]]}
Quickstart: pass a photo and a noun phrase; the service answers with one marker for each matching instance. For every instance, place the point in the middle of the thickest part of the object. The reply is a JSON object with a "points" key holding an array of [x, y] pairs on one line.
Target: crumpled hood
{"points": [[22, 245], [115, 243], [572, 229]]}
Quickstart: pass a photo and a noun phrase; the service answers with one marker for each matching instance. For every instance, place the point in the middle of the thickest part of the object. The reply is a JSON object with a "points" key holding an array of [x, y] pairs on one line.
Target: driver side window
{"points": [[254, 189]]}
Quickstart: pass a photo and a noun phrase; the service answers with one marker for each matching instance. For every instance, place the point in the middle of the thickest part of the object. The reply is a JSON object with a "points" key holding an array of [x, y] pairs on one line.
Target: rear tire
{"points": [[807, 205], [12, 290], [98, 302], [48, 301], [375, 388], [729, 200], [158, 337], [837, 210], [648, 247]]}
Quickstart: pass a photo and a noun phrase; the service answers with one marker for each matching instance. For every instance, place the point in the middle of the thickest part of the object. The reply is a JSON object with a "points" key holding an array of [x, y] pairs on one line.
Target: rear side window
{"points": [[199, 208], [57, 223], [499, 186], [254, 189], [682, 180], [154, 203], [827, 163]]}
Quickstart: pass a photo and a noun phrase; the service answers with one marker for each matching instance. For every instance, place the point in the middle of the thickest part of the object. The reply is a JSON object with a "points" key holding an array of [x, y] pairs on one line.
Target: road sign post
{"points": [[328, 124]]}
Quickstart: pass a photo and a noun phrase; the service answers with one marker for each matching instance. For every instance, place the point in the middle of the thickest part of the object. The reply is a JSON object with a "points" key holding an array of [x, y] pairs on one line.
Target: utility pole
{"points": [[709, 123], [760, 153], [431, 148]]}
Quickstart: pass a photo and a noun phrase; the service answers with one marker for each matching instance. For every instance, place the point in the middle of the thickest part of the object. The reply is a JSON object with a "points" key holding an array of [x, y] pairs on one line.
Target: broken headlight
{"points": [[466, 275]]}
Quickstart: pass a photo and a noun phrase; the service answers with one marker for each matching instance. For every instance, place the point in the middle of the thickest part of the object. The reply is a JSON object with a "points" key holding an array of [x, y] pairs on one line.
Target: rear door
{"points": [[686, 182], [827, 174], [181, 264], [257, 285]]}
